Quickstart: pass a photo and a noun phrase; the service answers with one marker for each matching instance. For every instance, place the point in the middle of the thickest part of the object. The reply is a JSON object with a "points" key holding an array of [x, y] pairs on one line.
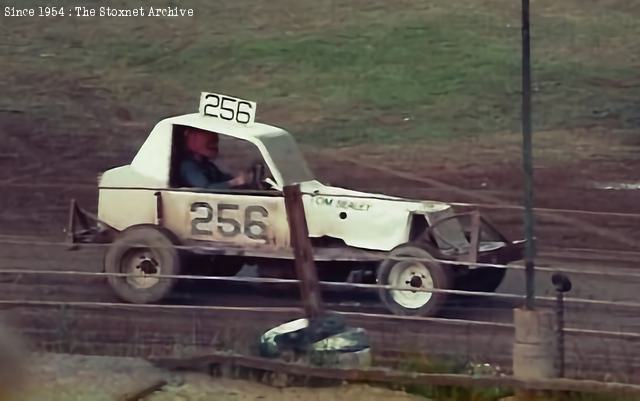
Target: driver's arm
{"points": [[193, 176], [240, 180], [229, 181]]}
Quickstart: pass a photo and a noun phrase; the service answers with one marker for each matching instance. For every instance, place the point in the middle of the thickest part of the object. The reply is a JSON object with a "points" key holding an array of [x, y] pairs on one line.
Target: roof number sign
{"points": [[227, 108]]}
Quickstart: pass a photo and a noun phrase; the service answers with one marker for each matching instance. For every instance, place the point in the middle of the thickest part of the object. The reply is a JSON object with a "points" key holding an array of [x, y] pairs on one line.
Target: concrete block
{"points": [[534, 348], [534, 326]]}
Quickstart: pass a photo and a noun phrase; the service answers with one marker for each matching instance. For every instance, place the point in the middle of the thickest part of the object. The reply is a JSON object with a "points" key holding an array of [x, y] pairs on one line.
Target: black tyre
{"points": [[484, 279], [413, 275], [147, 251]]}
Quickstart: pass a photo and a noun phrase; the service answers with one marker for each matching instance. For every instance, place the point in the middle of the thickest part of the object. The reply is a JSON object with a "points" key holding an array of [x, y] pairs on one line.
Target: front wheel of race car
{"points": [[423, 274], [143, 253]]}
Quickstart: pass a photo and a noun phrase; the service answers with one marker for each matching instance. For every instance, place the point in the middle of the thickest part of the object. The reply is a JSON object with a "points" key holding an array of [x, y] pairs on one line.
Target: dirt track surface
{"points": [[80, 378]]}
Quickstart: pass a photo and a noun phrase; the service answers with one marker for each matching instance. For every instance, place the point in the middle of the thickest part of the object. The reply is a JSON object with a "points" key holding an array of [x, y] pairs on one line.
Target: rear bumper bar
{"points": [[84, 227]]}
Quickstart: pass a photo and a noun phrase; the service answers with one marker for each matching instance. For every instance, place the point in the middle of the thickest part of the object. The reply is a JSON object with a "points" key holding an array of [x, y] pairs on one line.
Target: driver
{"points": [[197, 168]]}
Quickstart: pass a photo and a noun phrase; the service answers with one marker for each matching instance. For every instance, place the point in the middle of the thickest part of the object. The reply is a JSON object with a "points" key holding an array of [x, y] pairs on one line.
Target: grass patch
{"points": [[337, 72], [449, 393], [458, 393]]}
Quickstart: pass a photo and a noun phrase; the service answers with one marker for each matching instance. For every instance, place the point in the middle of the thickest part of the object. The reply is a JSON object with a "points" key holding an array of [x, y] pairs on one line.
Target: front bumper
{"points": [[507, 253], [84, 227], [477, 241]]}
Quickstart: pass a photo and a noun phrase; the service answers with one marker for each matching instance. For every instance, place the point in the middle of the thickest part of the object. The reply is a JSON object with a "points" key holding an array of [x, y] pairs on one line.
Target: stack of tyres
{"points": [[326, 342]]}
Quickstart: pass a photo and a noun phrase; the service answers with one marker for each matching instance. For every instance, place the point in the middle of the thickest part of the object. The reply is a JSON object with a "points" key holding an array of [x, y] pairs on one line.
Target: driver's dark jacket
{"points": [[202, 174]]}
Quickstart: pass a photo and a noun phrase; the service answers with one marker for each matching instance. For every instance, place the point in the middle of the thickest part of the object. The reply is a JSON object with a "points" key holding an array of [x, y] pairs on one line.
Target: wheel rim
{"points": [[143, 268], [410, 275]]}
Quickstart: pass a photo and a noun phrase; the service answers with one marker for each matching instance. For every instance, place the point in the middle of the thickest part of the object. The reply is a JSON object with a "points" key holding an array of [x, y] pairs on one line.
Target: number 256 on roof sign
{"points": [[227, 108]]}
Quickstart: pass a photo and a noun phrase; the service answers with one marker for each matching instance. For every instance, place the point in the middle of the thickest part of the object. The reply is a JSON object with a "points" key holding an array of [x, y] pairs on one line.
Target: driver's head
{"points": [[201, 142]]}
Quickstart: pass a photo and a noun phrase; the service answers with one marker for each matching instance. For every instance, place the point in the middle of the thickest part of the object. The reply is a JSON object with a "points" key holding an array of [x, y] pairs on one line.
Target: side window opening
{"points": [[234, 156], [237, 155]]}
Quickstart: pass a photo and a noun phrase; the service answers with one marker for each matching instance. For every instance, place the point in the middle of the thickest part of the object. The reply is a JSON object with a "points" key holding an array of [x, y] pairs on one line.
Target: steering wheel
{"points": [[259, 174]]}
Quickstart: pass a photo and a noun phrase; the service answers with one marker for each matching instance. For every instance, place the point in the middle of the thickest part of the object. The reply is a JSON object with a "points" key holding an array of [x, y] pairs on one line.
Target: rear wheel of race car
{"points": [[145, 252], [413, 275]]}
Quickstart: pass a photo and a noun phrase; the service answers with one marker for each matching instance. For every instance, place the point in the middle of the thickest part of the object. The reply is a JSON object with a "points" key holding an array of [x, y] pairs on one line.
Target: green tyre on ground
{"points": [[425, 274], [145, 251]]}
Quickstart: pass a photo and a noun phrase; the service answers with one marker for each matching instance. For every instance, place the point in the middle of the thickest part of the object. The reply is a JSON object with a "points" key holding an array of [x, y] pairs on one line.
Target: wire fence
{"points": [[372, 256], [435, 324], [341, 286], [359, 313], [327, 284], [497, 206]]}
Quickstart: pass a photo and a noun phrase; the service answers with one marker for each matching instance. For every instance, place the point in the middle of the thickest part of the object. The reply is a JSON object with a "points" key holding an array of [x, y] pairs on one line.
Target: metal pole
{"points": [[560, 331], [527, 157], [562, 284]]}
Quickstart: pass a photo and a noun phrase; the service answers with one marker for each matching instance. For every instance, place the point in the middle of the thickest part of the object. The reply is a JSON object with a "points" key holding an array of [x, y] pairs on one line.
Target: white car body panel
{"points": [[368, 221]]}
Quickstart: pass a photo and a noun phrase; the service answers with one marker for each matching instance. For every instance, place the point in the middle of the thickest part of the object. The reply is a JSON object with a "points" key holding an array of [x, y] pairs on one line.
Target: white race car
{"points": [[155, 225]]}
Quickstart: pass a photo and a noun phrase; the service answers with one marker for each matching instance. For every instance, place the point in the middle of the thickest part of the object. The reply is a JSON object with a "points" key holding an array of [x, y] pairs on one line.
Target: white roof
{"points": [[153, 157], [197, 120]]}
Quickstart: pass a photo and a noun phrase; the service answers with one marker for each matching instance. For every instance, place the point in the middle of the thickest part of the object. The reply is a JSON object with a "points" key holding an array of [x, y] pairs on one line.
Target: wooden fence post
{"points": [[303, 252]]}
